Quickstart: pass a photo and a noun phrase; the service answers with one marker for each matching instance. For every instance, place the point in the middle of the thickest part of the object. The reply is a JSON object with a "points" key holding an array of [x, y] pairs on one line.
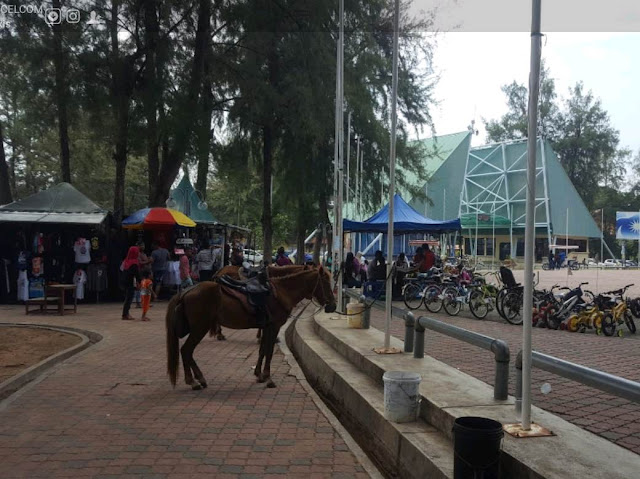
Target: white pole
{"points": [[348, 155], [444, 203], [340, 111], [392, 173], [361, 179], [358, 173], [566, 243], [602, 234], [529, 236], [336, 226]]}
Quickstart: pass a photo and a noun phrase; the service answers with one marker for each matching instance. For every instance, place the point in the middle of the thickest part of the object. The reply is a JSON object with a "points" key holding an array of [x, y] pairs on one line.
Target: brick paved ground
{"points": [[110, 411], [608, 416]]}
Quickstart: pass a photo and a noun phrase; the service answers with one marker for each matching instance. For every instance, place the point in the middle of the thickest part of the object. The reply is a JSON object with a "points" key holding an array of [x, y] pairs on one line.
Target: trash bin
{"points": [[476, 448]]}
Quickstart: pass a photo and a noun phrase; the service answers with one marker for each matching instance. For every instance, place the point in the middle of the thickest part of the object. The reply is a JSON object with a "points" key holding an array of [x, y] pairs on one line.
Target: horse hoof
{"points": [[261, 378], [271, 384], [204, 385], [196, 387], [221, 337]]}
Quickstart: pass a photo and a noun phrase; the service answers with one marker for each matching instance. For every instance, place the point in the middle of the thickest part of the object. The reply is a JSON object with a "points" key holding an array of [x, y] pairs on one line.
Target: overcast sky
{"points": [[474, 65]]}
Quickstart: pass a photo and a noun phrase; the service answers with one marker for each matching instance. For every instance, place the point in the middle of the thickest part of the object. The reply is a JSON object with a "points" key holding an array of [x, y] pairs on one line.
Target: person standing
{"points": [[204, 258], [378, 269], [350, 271], [185, 272], [131, 275], [236, 256], [428, 260], [144, 264], [160, 261], [146, 290], [281, 257]]}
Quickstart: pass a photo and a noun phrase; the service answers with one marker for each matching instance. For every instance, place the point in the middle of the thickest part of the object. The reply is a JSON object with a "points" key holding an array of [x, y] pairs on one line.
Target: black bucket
{"points": [[476, 448]]}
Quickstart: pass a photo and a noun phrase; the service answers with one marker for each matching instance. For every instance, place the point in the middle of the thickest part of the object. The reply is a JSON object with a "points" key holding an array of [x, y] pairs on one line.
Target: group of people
{"points": [[556, 260], [142, 275], [356, 270]]}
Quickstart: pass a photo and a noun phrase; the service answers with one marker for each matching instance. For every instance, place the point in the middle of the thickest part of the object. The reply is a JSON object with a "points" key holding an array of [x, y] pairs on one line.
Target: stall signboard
{"points": [[628, 225]]}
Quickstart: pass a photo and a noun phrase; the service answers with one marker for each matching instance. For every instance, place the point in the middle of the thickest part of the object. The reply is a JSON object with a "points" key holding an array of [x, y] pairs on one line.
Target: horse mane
{"points": [[295, 274]]}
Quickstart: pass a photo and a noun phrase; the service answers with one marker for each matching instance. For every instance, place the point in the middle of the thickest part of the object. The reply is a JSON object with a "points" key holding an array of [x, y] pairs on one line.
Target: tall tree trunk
{"points": [[267, 167], [5, 182], [121, 90], [151, 91], [171, 165], [205, 133], [61, 90]]}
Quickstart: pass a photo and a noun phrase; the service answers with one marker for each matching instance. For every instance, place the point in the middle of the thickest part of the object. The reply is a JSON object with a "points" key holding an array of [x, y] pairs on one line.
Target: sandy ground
{"points": [[21, 348], [599, 280]]}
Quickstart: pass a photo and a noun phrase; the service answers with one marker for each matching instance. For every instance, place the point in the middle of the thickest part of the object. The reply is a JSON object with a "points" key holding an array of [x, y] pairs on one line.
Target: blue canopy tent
{"points": [[408, 225]]}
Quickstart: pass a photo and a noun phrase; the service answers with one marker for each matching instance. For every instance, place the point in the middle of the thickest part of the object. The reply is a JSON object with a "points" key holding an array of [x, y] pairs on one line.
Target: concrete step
{"points": [[448, 394], [412, 450]]}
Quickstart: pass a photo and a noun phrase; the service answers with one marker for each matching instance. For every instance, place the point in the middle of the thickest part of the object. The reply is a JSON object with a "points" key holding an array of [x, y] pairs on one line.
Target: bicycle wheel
{"points": [[478, 304], [588, 297], [412, 296], [512, 307], [499, 300], [450, 301], [573, 323], [608, 325], [432, 298], [628, 320], [553, 322]]}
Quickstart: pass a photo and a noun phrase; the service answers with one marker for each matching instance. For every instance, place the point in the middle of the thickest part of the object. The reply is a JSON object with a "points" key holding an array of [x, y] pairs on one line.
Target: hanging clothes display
{"points": [[82, 248], [79, 279], [37, 266], [97, 278], [23, 286]]}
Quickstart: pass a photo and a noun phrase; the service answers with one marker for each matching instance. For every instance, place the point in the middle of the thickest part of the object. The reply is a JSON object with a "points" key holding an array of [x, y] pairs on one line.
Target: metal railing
{"points": [[414, 339], [605, 382]]}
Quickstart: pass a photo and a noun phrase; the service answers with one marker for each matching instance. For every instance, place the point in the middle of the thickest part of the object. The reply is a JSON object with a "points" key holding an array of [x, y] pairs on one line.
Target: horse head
{"points": [[323, 292]]}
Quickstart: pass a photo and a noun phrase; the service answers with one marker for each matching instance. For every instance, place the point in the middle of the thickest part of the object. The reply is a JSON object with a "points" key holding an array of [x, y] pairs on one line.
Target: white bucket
{"points": [[401, 396], [356, 316]]}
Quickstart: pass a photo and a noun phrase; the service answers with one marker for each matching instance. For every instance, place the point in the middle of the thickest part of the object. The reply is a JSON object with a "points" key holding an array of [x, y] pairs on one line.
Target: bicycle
{"points": [[483, 297], [619, 313], [414, 291]]}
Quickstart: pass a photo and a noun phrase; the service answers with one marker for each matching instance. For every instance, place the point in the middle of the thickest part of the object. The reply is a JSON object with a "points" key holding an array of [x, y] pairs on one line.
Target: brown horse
{"points": [[235, 273], [207, 305]]}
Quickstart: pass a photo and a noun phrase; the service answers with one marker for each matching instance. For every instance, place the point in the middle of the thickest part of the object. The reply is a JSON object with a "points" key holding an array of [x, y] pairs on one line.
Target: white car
{"points": [[252, 256], [612, 263]]}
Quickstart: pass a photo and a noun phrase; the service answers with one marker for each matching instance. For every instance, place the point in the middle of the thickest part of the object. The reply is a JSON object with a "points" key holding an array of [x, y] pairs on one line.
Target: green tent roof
{"points": [[187, 201]]}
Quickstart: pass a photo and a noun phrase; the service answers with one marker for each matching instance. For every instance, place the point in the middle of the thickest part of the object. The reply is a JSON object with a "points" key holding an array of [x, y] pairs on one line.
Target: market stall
{"points": [[56, 236]]}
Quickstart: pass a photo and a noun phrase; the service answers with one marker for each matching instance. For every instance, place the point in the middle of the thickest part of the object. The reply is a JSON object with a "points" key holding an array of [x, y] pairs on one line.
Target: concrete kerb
{"points": [[447, 393], [15, 383], [285, 337]]}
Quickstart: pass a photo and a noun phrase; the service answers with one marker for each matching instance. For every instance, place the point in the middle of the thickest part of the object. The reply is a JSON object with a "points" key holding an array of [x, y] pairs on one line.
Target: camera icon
{"points": [[52, 16], [73, 15]]}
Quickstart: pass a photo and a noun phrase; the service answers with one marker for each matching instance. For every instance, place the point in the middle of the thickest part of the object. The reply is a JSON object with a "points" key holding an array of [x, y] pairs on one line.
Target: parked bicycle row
{"points": [[571, 309]]}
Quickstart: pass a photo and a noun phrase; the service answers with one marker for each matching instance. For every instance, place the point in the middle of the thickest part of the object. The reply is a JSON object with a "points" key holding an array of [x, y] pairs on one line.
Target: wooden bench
{"points": [[42, 304]]}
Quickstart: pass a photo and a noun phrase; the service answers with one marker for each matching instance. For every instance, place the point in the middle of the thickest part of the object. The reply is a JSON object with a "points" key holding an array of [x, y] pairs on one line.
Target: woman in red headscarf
{"points": [[131, 278]]}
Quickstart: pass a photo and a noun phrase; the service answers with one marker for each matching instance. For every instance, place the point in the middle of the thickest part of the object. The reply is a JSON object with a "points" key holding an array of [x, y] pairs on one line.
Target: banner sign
{"points": [[628, 225]]}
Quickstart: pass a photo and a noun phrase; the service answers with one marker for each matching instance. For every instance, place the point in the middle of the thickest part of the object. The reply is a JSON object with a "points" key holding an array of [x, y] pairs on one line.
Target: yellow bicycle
{"points": [[618, 314], [590, 317]]}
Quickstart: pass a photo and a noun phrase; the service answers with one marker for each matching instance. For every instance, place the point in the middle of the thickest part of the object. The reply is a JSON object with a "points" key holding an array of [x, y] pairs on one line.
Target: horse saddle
{"points": [[255, 291]]}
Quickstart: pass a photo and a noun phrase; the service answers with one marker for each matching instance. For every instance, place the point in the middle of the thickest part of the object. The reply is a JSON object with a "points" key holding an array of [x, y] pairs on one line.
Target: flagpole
{"points": [[529, 237], [392, 175], [602, 234]]}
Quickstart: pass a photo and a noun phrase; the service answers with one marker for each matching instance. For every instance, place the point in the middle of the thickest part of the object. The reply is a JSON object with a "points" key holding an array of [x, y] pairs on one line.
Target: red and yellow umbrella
{"points": [[150, 218]]}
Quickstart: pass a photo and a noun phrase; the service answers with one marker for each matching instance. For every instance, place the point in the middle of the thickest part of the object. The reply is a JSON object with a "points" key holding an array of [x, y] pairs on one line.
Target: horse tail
{"points": [[174, 314]]}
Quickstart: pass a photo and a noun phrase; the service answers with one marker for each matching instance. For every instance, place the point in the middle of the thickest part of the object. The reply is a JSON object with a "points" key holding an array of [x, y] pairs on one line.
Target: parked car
{"points": [[630, 264], [591, 263], [612, 263], [252, 256]]}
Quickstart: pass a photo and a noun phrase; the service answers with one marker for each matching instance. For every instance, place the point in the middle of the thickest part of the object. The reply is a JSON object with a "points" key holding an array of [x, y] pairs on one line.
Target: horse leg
{"points": [[219, 335], [259, 334], [189, 363], [258, 369], [270, 344]]}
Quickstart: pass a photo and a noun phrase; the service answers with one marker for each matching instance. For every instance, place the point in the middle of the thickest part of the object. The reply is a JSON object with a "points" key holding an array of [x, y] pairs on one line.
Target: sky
{"points": [[472, 67]]}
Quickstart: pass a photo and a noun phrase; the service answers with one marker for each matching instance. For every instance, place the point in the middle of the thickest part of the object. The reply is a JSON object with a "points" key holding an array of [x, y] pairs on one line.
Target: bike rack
{"points": [[414, 341], [605, 382]]}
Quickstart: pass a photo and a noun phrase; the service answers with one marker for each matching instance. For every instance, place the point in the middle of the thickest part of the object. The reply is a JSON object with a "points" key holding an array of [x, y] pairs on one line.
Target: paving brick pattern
{"points": [[608, 416], [111, 412]]}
